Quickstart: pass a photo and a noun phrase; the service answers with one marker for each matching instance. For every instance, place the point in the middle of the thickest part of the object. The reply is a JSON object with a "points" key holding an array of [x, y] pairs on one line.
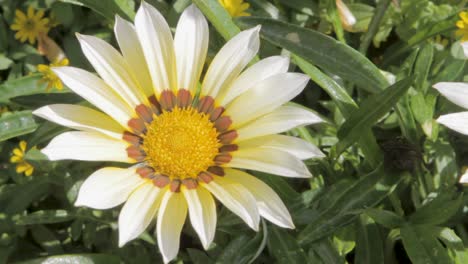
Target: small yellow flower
{"points": [[462, 26], [49, 77], [236, 8], [22, 166], [29, 25]]}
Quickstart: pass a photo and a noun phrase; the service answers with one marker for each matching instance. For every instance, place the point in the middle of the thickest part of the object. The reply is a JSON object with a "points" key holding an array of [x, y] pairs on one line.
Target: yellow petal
{"points": [[22, 167], [30, 12], [15, 159], [20, 15], [23, 145], [29, 171], [18, 152]]}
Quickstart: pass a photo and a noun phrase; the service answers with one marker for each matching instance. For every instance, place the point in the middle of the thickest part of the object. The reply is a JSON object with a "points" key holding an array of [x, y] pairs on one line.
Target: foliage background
{"points": [[387, 192]]}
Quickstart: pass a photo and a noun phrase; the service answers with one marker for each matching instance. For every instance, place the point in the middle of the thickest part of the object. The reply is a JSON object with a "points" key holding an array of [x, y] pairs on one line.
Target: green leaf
{"points": [[44, 217], [369, 112], [21, 86], [284, 247], [369, 243], [439, 210], [108, 8], [41, 99], [30, 192], [422, 67], [346, 105], [76, 258], [386, 218], [365, 192], [46, 239], [455, 245], [422, 246], [321, 50], [16, 124], [219, 17]]}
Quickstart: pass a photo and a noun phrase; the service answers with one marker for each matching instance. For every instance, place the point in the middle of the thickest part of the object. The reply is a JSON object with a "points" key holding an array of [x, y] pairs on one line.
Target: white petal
{"points": [[280, 120], [108, 187], [269, 203], [202, 211], [464, 177], [81, 118], [456, 92], [301, 149], [270, 161], [230, 61], [171, 219], [266, 96], [133, 53], [91, 146], [253, 75], [112, 68], [465, 48], [191, 46], [95, 91], [455, 121], [156, 40], [138, 212], [236, 198]]}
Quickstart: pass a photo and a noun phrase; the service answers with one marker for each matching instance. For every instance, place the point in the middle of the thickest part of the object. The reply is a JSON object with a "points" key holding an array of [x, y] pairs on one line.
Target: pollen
{"points": [[181, 143]]}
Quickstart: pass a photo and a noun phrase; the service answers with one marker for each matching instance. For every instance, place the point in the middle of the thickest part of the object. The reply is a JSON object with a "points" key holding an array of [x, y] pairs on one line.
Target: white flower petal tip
{"points": [[456, 121], [464, 178], [456, 92]]}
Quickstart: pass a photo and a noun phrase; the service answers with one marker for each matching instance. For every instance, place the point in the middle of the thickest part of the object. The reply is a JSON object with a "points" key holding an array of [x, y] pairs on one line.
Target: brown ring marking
{"points": [[216, 113], [206, 104], [167, 100], [144, 112], [145, 172], [227, 137], [222, 158], [223, 123], [155, 105], [132, 138], [175, 186], [184, 98], [216, 170], [228, 148], [205, 177], [161, 181], [190, 183], [137, 125], [136, 153]]}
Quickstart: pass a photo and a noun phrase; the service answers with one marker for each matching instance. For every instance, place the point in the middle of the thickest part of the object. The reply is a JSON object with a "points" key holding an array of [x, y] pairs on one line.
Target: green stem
{"points": [[374, 25]]}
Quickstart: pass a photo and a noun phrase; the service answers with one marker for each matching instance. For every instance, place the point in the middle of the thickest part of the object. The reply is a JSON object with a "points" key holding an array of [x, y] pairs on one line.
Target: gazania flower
{"points": [[49, 77], [236, 8], [184, 142], [30, 25], [462, 26], [22, 166]]}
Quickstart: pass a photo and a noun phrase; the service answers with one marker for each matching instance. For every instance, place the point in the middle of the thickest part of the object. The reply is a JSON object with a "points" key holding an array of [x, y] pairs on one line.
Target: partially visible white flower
{"points": [[457, 93], [348, 20]]}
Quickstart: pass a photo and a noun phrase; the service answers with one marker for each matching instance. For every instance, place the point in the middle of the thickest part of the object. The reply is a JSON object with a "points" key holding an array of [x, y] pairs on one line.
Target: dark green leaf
{"points": [[369, 112], [321, 50], [44, 217], [22, 86], [76, 258], [219, 17], [422, 246], [369, 243], [16, 124], [41, 99], [386, 218], [284, 247], [438, 210], [107, 8]]}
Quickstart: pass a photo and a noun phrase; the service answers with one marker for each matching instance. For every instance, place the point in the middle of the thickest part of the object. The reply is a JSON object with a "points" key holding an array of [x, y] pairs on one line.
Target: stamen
{"points": [[136, 153], [145, 172], [222, 159], [144, 112], [228, 148], [175, 186], [137, 125], [190, 183], [155, 105], [161, 181], [132, 138], [216, 113]]}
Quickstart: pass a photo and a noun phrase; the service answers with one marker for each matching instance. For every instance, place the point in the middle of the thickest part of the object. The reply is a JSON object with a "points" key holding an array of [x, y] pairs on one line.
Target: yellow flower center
{"points": [[181, 143], [30, 25]]}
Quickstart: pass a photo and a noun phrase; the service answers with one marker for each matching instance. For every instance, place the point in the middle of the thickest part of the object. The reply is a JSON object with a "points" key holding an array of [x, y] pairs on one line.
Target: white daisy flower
{"points": [[184, 142]]}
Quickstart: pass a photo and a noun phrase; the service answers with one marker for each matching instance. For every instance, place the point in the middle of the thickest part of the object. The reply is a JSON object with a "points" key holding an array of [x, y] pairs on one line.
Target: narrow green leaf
{"points": [[369, 243], [386, 218], [346, 105], [76, 258], [34, 101], [16, 124], [321, 50], [366, 192], [422, 66], [44, 217], [22, 86], [422, 246], [369, 112], [455, 245], [445, 204], [107, 8], [284, 247], [46, 239], [219, 17], [30, 192]]}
